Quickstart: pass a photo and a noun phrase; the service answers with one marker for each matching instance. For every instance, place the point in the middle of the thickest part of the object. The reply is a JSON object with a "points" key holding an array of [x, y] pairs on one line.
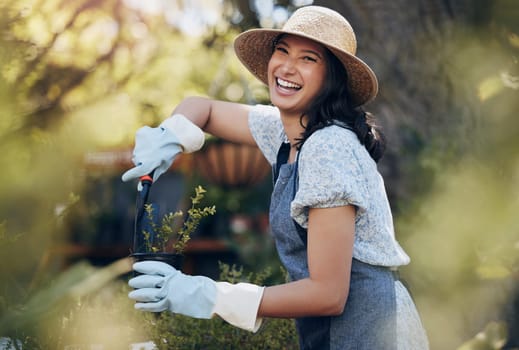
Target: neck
{"points": [[292, 126]]}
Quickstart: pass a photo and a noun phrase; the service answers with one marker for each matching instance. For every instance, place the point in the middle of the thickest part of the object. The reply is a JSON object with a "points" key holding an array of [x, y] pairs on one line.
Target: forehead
{"points": [[308, 44]]}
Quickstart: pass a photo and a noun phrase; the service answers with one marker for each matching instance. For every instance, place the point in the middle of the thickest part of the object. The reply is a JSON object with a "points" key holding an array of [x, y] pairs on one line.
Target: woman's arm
{"points": [[227, 120], [324, 292]]}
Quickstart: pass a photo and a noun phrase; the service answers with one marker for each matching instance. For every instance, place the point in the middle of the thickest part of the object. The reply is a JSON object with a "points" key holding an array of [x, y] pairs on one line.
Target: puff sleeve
{"points": [[332, 172]]}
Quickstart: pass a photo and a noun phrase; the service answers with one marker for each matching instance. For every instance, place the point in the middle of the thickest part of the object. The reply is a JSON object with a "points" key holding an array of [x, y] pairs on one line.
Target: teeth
{"points": [[287, 84]]}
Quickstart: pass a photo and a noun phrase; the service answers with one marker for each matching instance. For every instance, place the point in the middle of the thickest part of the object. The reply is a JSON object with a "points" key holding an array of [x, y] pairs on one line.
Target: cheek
{"points": [[319, 76], [315, 77], [270, 68]]}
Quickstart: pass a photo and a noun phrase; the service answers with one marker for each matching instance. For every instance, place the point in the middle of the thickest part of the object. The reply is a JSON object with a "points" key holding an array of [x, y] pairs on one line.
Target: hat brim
{"points": [[254, 49]]}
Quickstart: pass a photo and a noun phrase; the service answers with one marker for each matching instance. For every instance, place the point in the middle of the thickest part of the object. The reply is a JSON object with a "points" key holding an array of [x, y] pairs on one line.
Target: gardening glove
{"points": [[157, 148], [161, 287]]}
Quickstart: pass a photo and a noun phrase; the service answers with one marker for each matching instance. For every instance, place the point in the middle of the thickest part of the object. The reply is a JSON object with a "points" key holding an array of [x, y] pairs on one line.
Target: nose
{"points": [[288, 65]]}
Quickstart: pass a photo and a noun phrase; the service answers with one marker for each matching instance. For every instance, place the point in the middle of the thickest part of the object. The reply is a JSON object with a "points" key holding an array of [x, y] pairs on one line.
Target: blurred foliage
{"points": [[53, 315], [493, 337], [463, 234]]}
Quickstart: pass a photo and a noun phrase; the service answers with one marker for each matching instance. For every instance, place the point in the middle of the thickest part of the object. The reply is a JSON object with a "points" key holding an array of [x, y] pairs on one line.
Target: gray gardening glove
{"points": [[161, 287], [156, 148]]}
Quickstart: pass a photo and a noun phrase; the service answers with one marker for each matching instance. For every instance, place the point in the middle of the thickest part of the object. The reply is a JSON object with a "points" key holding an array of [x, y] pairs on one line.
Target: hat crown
{"points": [[323, 25]]}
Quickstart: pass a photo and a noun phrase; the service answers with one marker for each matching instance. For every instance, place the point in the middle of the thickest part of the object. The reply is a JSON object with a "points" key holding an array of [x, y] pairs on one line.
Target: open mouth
{"points": [[287, 84]]}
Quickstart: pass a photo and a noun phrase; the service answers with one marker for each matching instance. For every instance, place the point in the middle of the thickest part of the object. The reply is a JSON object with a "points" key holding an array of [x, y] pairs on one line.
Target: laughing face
{"points": [[296, 72]]}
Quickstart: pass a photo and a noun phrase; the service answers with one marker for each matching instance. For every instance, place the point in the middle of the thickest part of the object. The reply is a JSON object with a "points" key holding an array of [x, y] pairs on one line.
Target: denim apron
{"points": [[369, 318]]}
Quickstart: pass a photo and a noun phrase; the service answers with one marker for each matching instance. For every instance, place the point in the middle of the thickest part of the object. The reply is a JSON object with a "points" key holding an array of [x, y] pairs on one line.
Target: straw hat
{"points": [[320, 24]]}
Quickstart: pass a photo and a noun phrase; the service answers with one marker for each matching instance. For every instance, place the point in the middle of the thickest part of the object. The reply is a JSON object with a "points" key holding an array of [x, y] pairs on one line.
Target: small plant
{"points": [[170, 229]]}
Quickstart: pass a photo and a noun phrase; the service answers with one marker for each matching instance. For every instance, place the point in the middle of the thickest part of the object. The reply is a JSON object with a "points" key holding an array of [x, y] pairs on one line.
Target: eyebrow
{"points": [[281, 41]]}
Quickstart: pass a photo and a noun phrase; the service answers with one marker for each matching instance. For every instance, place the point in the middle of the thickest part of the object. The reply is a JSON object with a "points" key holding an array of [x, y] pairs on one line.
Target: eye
{"points": [[309, 59], [281, 49]]}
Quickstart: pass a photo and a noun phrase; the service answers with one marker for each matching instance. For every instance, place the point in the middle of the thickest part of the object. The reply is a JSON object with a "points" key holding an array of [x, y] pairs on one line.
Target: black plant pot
{"points": [[173, 259]]}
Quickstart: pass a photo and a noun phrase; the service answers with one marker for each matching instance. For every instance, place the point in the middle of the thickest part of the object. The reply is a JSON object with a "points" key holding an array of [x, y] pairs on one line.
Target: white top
{"points": [[335, 169]]}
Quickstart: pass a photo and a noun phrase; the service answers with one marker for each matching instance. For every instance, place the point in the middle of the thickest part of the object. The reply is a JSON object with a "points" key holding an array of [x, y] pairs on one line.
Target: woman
{"points": [[329, 213]]}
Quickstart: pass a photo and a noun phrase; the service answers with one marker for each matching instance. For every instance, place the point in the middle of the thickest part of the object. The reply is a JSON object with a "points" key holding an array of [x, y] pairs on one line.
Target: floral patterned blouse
{"points": [[335, 169]]}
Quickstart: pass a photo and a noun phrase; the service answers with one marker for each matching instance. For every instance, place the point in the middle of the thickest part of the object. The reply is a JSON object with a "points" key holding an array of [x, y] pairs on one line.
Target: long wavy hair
{"points": [[333, 105]]}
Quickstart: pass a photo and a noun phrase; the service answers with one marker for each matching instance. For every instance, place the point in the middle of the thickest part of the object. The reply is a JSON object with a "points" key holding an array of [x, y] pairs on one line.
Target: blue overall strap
{"points": [[282, 158]]}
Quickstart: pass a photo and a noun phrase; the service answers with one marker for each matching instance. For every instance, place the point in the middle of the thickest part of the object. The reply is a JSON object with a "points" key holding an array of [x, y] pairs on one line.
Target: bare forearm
{"points": [[302, 298], [325, 291]]}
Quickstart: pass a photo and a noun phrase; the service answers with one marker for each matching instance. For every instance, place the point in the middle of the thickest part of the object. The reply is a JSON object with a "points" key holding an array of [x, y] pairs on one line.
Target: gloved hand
{"points": [[157, 148], [162, 287]]}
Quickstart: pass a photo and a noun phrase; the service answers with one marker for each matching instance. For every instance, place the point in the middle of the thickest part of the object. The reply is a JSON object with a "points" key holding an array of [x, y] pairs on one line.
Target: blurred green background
{"points": [[77, 78]]}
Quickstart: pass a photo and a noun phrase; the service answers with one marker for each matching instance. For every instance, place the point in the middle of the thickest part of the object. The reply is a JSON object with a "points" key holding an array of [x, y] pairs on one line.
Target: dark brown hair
{"points": [[333, 106]]}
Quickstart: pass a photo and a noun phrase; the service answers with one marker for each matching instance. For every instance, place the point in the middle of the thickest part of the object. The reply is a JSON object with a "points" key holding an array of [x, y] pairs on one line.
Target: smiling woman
{"points": [[329, 212]]}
